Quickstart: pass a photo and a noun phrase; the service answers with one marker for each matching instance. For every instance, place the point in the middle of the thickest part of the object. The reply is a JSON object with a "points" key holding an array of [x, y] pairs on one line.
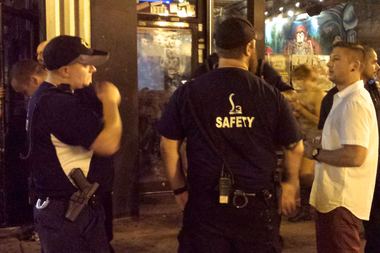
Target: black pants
{"points": [[106, 200], [212, 228], [372, 227], [59, 235]]}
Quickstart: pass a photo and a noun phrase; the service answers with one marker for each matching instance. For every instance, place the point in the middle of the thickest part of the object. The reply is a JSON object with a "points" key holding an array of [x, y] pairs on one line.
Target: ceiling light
{"points": [[281, 8], [290, 13], [297, 4]]}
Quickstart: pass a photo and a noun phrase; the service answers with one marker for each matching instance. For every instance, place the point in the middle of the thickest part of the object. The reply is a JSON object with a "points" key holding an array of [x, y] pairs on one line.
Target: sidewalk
{"points": [[156, 229]]}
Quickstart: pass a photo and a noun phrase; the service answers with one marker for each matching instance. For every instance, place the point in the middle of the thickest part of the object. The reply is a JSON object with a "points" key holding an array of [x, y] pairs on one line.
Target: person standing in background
{"points": [[306, 108], [344, 179], [372, 226]]}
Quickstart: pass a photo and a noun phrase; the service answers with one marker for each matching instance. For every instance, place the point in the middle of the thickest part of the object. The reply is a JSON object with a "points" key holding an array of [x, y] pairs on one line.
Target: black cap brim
{"points": [[97, 58]]}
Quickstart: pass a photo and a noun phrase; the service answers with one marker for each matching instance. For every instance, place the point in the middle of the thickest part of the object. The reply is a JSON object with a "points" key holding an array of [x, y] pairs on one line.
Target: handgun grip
{"points": [[79, 179]]}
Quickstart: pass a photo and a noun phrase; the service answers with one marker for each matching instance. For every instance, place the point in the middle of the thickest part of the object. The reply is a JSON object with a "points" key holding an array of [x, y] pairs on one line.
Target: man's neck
{"points": [[232, 63], [55, 79], [345, 85]]}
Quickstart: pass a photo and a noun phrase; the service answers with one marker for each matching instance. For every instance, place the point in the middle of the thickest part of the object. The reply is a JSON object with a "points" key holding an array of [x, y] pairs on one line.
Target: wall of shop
{"points": [[368, 13], [113, 28]]}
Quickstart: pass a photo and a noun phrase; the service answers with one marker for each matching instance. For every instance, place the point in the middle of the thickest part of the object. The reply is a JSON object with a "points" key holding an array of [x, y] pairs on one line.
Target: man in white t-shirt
{"points": [[345, 176]]}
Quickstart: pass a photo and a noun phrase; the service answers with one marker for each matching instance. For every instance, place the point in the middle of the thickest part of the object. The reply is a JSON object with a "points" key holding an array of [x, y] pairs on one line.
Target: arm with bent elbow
{"points": [[108, 141]]}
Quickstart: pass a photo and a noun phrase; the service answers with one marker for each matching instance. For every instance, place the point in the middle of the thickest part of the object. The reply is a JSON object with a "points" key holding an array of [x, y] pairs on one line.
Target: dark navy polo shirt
{"points": [[60, 122], [244, 116]]}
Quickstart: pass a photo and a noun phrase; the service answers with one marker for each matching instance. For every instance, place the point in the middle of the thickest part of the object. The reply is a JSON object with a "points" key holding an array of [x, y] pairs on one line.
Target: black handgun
{"points": [[81, 197]]}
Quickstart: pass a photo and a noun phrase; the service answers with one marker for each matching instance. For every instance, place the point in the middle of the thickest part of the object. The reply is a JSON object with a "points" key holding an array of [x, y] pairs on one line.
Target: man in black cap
{"points": [[65, 134], [228, 197]]}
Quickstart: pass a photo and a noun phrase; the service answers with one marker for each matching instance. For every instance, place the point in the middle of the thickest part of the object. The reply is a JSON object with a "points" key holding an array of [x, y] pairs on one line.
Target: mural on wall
{"points": [[368, 13], [308, 40], [303, 34], [164, 63]]}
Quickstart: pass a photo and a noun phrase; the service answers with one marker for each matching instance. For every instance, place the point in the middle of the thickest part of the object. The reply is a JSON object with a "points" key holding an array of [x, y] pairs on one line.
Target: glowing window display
{"points": [[176, 8]]}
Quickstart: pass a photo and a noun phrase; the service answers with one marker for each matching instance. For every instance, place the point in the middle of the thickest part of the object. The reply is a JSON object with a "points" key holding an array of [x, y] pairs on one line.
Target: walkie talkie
{"points": [[225, 186]]}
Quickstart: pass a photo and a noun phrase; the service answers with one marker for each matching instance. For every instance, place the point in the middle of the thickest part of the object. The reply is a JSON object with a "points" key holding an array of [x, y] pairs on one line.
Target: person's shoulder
{"points": [[359, 98], [263, 85], [58, 99]]}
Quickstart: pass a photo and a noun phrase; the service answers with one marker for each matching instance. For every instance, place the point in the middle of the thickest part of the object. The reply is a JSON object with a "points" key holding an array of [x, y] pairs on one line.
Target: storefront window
{"points": [[164, 57], [172, 8], [164, 64], [222, 9]]}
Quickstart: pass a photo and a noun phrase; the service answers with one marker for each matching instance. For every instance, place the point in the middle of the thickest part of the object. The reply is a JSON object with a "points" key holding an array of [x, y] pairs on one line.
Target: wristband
{"points": [[180, 190]]}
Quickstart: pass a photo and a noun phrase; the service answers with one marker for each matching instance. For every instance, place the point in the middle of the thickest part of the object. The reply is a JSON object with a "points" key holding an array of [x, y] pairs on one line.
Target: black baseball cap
{"points": [[64, 50], [234, 32]]}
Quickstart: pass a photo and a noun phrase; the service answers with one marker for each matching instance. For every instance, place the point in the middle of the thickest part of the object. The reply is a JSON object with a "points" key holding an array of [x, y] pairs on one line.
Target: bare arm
{"points": [[170, 153], [347, 156], [290, 187], [108, 140]]}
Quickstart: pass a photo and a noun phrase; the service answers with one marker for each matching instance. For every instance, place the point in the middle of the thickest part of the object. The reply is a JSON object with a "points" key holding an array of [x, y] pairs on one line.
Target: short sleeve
{"points": [[356, 127], [170, 125], [287, 129], [71, 122]]}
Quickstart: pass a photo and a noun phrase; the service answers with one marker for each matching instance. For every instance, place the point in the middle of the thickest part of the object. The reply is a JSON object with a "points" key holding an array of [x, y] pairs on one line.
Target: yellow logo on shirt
{"points": [[236, 118]]}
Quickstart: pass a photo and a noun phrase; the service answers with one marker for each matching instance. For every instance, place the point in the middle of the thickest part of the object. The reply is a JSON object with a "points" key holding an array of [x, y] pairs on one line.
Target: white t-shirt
{"points": [[351, 121]]}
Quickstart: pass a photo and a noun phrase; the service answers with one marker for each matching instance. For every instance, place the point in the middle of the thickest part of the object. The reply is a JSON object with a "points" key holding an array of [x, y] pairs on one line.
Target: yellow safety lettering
{"points": [[234, 122]]}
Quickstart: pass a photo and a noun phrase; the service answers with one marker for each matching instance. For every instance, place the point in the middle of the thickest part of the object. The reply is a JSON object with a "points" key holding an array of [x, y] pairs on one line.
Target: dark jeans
{"points": [[213, 228], [106, 199], [59, 235], [372, 227], [338, 231]]}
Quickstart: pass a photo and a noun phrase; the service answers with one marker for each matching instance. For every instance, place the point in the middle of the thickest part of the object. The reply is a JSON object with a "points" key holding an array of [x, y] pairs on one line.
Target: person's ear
{"points": [[356, 65], [64, 71], [250, 48]]}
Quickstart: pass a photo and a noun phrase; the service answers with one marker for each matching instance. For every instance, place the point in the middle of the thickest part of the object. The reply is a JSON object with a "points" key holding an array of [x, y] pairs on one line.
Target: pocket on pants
{"points": [[51, 217]]}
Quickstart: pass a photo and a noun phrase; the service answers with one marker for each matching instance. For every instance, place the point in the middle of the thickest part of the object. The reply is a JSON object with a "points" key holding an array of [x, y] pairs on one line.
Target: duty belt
{"points": [[240, 198]]}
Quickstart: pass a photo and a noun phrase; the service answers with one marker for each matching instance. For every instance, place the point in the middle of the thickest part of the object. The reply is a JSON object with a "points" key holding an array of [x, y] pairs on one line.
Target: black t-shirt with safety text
{"points": [[245, 118]]}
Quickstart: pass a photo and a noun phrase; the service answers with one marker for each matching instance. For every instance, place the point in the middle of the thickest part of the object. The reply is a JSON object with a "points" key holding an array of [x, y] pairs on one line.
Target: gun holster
{"points": [[80, 198]]}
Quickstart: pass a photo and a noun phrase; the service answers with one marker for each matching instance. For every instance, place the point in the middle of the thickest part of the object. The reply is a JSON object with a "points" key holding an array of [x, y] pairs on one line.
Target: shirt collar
{"points": [[350, 89]]}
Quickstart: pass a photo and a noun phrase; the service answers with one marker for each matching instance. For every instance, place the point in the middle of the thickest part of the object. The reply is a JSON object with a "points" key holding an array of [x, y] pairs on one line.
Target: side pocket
{"points": [[51, 217]]}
